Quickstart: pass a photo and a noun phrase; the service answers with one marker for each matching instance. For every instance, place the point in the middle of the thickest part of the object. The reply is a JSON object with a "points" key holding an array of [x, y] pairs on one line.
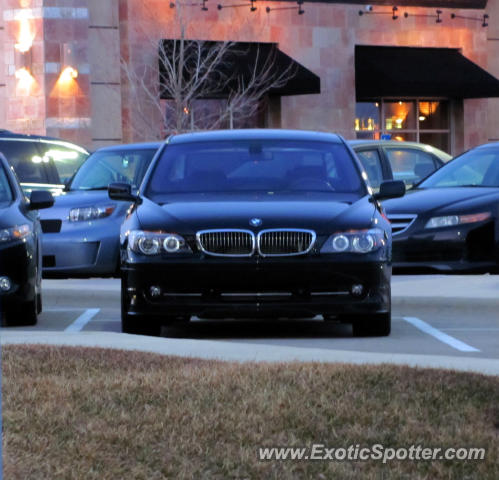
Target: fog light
{"points": [[155, 292], [5, 284], [357, 290]]}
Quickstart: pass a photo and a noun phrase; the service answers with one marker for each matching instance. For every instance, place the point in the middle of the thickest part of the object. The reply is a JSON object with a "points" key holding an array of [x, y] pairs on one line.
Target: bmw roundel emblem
{"points": [[255, 222]]}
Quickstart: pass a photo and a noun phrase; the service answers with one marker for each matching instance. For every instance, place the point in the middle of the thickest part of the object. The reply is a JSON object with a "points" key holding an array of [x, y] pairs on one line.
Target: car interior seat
{"points": [[200, 179]]}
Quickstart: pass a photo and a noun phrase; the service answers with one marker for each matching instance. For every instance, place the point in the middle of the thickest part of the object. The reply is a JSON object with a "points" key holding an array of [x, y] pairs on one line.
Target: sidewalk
{"points": [[241, 352], [446, 286]]}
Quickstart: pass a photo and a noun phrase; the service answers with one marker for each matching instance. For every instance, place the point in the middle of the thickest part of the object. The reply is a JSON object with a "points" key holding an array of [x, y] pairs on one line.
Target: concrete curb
{"points": [[239, 352]]}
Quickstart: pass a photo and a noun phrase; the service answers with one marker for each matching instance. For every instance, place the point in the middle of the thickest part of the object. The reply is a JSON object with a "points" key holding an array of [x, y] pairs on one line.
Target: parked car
{"points": [[450, 221], [393, 160], [41, 163], [81, 232], [245, 223], [20, 252]]}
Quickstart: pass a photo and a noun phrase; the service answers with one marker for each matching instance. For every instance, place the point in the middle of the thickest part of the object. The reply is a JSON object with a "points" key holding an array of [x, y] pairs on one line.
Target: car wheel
{"points": [[39, 303], [377, 325], [139, 326], [23, 315]]}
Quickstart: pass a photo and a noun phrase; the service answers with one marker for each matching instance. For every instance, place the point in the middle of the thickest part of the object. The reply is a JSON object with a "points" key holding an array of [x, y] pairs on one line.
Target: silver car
{"points": [[394, 160], [81, 231]]}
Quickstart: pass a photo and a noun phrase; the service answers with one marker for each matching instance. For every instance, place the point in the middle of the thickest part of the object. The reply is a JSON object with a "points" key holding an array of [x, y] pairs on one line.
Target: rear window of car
{"points": [[44, 162], [255, 165], [25, 158]]}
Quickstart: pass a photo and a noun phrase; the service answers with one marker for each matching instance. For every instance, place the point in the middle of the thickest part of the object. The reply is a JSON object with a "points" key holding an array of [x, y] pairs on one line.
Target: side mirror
{"points": [[390, 189], [40, 199], [121, 191]]}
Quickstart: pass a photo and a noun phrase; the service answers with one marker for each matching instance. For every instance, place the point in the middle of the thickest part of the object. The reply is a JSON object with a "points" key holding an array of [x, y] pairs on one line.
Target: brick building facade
{"points": [[94, 37]]}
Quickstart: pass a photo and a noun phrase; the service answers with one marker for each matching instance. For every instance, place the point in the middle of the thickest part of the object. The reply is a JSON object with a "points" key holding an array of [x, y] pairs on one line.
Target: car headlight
{"points": [[156, 243], [84, 214], [451, 220], [355, 241], [14, 233]]}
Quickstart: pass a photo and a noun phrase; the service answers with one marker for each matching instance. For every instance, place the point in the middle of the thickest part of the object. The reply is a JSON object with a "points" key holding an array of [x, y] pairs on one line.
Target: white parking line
{"points": [[485, 329], [82, 320], [443, 337]]}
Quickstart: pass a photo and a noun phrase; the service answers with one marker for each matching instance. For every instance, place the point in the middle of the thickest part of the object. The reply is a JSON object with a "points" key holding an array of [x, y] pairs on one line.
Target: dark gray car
{"points": [[41, 163]]}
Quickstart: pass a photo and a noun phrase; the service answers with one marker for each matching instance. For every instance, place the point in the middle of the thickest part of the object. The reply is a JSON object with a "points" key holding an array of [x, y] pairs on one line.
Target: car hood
{"points": [[188, 217], [75, 198], [10, 215], [430, 199]]}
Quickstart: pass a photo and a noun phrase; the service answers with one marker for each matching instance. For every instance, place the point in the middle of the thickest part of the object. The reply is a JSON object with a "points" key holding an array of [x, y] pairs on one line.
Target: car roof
{"points": [[130, 146], [487, 145], [254, 133], [8, 135], [384, 142], [397, 143]]}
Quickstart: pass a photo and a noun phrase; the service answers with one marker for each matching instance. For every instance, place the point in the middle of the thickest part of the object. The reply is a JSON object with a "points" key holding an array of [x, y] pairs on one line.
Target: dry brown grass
{"points": [[74, 413]]}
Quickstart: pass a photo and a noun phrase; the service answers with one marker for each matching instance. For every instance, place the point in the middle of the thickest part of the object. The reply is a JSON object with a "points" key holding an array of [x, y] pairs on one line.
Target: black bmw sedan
{"points": [[20, 252], [252, 223], [450, 221]]}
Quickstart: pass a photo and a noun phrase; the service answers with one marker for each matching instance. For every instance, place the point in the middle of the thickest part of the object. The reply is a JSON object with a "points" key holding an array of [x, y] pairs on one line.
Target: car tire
{"points": [[24, 315], [139, 326], [39, 303], [377, 325]]}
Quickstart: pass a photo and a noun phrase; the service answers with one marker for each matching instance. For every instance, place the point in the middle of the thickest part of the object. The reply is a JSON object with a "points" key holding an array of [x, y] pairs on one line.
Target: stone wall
{"points": [[493, 68], [323, 40], [101, 106]]}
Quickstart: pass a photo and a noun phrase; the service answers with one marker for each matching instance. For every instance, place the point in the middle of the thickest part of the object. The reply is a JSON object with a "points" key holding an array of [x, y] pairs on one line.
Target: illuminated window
{"points": [[418, 120]]}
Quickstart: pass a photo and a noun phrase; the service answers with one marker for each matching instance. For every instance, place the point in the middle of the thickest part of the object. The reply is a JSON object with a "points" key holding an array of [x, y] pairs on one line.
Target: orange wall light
{"points": [[69, 72], [26, 34], [23, 51]]}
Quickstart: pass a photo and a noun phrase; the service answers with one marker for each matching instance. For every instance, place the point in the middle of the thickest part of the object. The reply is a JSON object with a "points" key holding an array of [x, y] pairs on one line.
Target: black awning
{"points": [[419, 72], [475, 4], [238, 63]]}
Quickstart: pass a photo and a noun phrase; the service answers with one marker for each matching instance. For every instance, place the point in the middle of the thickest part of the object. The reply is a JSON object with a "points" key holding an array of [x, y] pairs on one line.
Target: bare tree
{"points": [[176, 75]]}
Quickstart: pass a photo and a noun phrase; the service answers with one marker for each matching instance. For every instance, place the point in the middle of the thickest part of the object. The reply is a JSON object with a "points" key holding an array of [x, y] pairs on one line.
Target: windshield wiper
{"points": [[473, 185], [90, 188]]}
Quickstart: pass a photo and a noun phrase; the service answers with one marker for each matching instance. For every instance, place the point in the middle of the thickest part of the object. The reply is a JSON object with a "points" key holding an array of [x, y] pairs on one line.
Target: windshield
{"points": [[105, 167], [255, 165], [476, 168]]}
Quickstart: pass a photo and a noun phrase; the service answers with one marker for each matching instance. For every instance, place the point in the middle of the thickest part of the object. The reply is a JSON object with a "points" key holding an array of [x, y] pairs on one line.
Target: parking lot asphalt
{"points": [[438, 321]]}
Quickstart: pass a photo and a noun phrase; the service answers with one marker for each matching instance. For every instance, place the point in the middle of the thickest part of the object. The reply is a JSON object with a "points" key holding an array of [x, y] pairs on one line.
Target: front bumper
{"points": [[81, 250], [472, 247], [18, 263], [214, 287]]}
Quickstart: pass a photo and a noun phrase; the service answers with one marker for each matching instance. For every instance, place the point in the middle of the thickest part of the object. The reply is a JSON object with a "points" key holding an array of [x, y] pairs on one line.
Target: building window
{"points": [[417, 120]]}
